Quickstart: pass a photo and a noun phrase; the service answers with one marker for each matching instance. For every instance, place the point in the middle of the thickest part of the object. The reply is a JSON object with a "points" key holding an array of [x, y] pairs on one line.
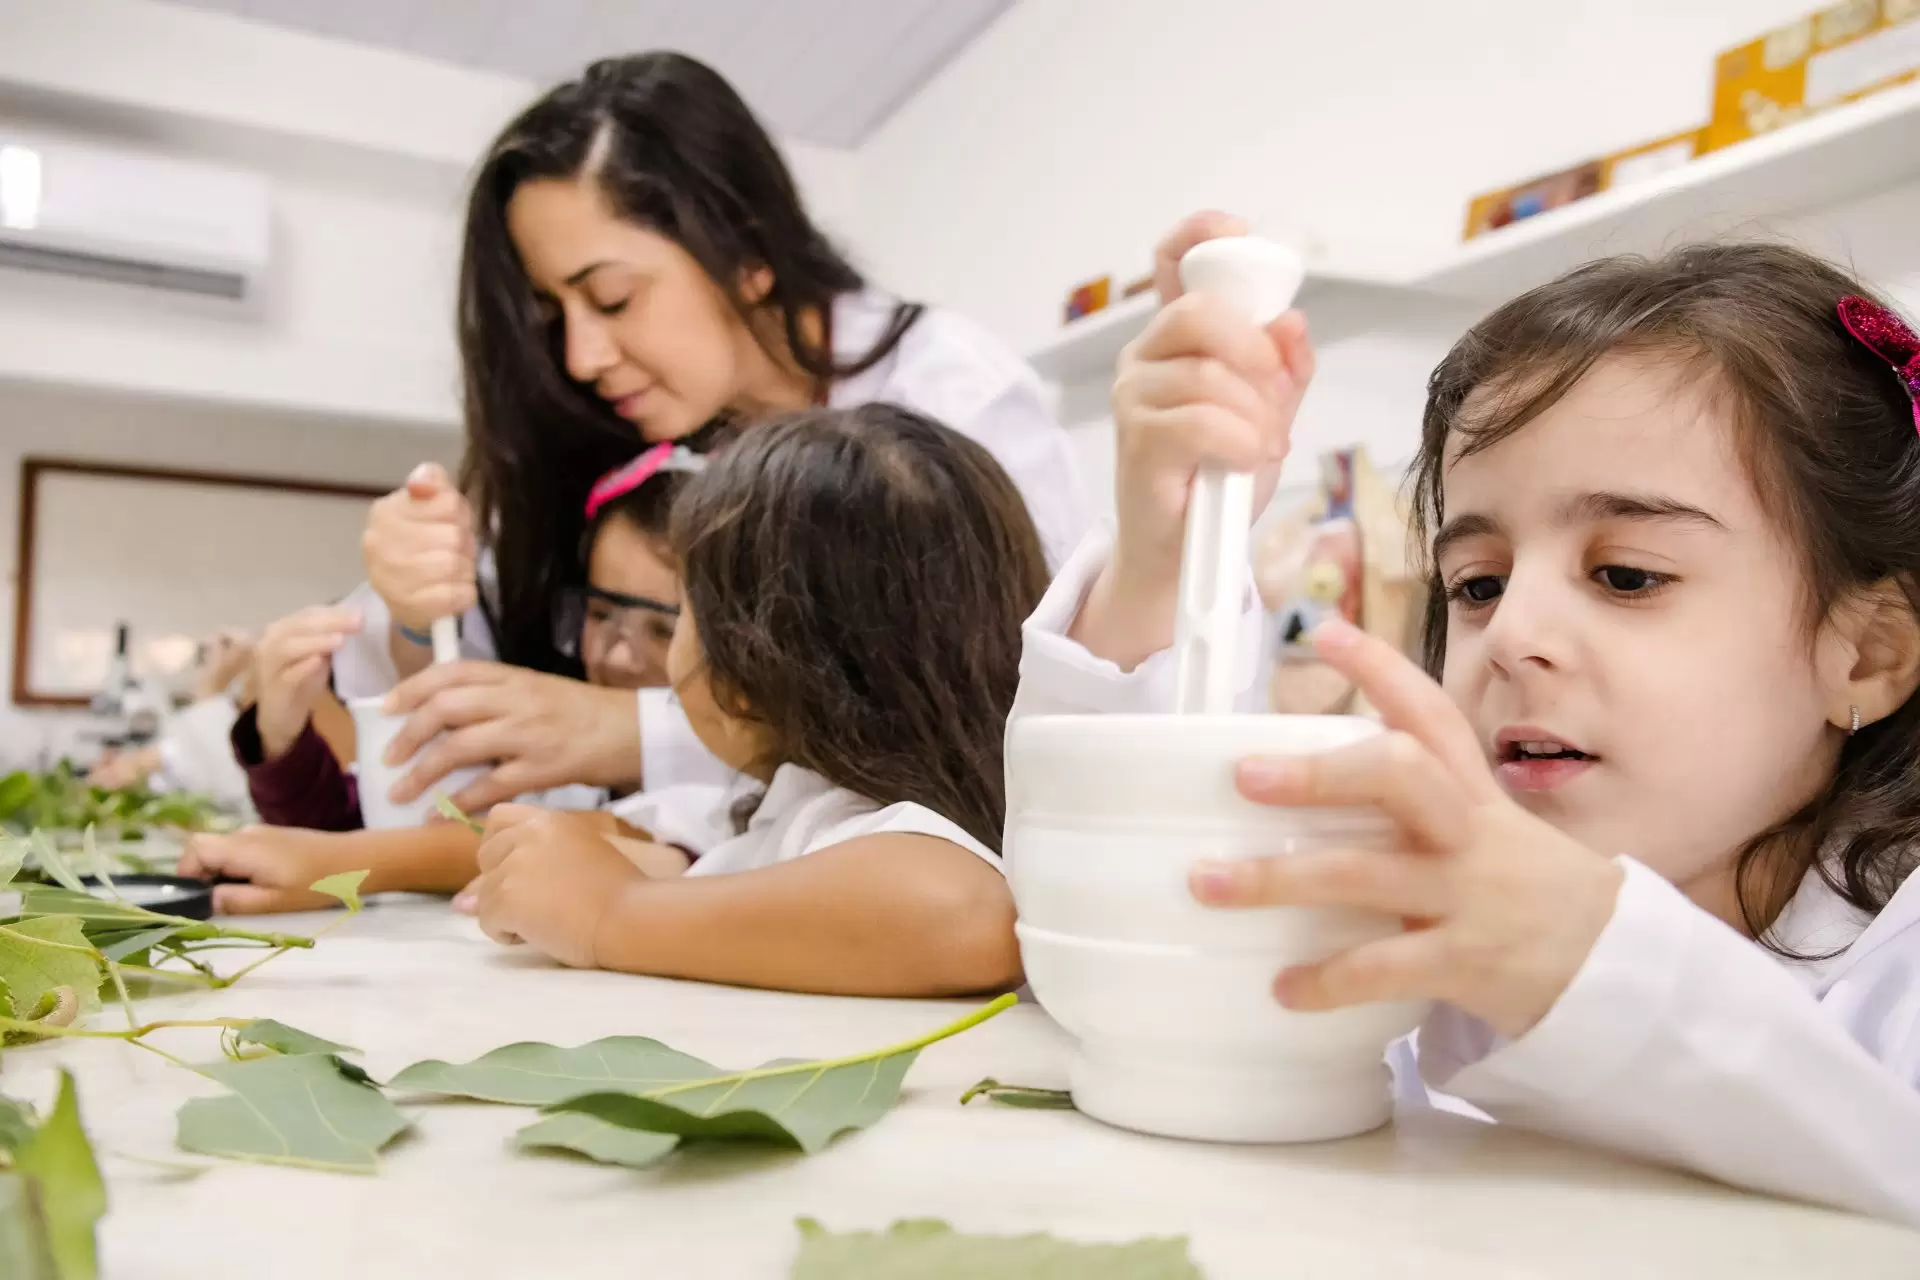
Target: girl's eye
{"points": [[1627, 581], [1473, 592], [610, 308]]}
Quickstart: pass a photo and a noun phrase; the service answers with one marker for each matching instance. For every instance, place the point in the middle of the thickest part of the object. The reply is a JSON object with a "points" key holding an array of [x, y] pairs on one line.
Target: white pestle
{"points": [[446, 639], [1259, 278]]}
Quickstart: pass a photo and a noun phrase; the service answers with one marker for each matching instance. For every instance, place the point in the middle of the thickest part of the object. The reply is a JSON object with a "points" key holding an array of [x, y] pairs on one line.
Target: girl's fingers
{"points": [[1394, 772], [1404, 966], [1171, 384], [1208, 224], [1408, 885], [1408, 700], [1180, 439], [1289, 337], [1203, 325]]}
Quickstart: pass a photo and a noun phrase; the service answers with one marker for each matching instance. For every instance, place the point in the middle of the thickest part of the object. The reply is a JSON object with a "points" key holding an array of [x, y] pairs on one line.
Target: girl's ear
{"points": [[755, 284], [1870, 654]]}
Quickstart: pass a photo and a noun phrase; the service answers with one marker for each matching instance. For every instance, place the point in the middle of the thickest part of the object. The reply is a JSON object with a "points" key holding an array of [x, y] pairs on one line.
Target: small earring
{"points": [[1855, 726]]}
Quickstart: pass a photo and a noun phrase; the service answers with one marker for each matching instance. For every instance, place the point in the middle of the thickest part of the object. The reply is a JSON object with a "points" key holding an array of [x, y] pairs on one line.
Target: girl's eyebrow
{"points": [[1583, 507]]}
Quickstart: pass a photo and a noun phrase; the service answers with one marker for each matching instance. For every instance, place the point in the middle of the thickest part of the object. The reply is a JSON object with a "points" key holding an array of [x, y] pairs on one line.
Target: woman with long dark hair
{"points": [[638, 267]]}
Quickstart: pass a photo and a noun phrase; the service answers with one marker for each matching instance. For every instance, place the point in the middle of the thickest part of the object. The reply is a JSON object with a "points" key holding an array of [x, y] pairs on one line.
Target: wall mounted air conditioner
{"points": [[79, 209]]}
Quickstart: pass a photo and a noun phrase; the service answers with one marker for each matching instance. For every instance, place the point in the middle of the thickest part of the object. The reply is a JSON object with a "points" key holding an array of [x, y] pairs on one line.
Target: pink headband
{"points": [[628, 476], [1887, 336]]}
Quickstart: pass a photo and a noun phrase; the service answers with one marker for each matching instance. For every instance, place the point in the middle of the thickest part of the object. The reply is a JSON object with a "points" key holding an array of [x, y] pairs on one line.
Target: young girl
{"points": [[1662, 808], [854, 583], [617, 623]]}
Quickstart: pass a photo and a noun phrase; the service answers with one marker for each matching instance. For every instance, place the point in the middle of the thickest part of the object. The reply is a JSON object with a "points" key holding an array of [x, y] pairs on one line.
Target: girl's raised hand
{"points": [[1201, 386], [1501, 908]]}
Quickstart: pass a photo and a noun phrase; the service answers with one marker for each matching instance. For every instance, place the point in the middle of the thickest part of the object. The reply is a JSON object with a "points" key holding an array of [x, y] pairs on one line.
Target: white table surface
{"points": [[1434, 1195]]}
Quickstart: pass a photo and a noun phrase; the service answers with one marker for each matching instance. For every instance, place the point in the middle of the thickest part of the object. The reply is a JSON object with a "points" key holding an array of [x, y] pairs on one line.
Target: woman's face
{"points": [[644, 327], [626, 648]]}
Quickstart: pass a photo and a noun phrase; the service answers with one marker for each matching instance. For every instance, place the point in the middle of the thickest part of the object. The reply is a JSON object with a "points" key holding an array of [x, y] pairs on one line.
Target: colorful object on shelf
{"points": [[1088, 298], [1839, 54], [1343, 553], [1497, 209]]}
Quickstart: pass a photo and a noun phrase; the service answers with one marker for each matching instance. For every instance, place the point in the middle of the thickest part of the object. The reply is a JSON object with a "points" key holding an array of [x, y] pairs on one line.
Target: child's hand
{"points": [[290, 667], [278, 863], [419, 549], [549, 878], [1200, 387], [1502, 908]]}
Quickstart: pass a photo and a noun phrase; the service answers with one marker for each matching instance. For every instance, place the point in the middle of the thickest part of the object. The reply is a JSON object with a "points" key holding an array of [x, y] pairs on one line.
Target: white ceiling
{"points": [[824, 71]]}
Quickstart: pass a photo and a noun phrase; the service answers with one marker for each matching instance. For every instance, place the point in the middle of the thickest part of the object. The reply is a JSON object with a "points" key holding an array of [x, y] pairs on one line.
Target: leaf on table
{"points": [[344, 886], [1019, 1095], [25, 1253], [608, 1143], [281, 1038], [925, 1250], [291, 1110], [453, 812], [16, 1123], [13, 853], [100, 914], [45, 953], [532, 1074], [59, 1160], [128, 944], [53, 863], [794, 1104]]}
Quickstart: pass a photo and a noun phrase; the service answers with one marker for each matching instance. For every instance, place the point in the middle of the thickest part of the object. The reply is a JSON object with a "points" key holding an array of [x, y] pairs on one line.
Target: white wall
{"points": [[1063, 143], [368, 153], [58, 422]]}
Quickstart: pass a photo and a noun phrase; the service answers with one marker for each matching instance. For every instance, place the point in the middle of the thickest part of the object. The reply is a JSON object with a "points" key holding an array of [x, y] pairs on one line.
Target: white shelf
{"points": [[1841, 155]]}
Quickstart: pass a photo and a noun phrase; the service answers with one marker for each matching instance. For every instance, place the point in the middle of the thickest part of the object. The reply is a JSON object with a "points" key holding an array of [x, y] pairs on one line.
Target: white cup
{"points": [[1171, 1003], [373, 730]]}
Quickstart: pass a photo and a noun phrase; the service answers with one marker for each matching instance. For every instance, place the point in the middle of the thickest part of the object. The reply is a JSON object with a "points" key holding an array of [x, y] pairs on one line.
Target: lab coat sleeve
{"points": [[1681, 1042], [1059, 677], [671, 754], [1019, 428], [363, 668]]}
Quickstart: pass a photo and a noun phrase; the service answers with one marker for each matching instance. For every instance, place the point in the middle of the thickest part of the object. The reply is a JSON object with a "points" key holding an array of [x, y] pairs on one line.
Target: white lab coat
{"points": [[946, 367], [1678, 1041]]}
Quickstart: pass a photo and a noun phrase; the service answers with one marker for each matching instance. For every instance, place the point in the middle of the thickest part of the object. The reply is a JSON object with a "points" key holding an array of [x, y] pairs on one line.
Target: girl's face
{"points": [[1618, 595], [625, 647], [739, 744], [645, 328]]}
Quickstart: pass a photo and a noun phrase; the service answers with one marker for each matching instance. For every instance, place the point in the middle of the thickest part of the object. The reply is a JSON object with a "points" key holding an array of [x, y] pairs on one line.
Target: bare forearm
{"points": [[438, 858], [903, 922]]}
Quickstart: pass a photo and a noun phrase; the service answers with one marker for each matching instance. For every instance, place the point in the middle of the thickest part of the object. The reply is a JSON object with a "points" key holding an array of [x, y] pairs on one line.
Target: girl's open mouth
{"points": [[1533, 761]]}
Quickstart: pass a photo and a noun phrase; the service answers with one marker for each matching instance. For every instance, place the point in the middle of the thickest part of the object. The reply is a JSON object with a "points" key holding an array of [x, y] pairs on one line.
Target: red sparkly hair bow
{"points": [[1889, 337]]}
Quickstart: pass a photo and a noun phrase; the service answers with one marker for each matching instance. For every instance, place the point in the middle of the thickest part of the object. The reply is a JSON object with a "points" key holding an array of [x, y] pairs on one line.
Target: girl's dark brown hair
{"points": [[1828, 436], [674, 149], [858, 579]]}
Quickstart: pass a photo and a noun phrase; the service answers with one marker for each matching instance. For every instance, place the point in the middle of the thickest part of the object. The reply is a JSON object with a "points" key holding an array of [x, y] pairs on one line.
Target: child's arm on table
{"points": [[278, 863], [891, 914]]}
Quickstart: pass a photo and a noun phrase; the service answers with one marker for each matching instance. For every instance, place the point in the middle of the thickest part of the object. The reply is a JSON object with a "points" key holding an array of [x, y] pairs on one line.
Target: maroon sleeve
{"points": [[305, 787]]}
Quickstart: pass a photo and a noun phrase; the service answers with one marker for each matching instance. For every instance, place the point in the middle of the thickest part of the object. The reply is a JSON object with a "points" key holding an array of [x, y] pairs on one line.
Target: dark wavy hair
{"points": [[674, 149], [1829, 440], [858, 578]]}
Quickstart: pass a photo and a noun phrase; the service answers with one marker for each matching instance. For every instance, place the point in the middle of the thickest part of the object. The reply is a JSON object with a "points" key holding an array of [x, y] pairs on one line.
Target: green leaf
{"points": [[448, 809], [16, 791], [99, 913], [1019, 1095], [16, 1123], [54, 863], [282, 1038], [924, 1250], [12, 854], [25, 1253], [291, 1110], [531, 1074], [344, 886], [805, 1108], [59, 1159], [45, 953], [122, 946], [607, 1143]]}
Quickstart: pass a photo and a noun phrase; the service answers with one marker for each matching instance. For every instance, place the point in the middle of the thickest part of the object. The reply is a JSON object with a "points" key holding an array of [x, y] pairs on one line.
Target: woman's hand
{"points": [[1501, 908], [549, 878], [277, 863], [228, 654], [420, 551], [1200, 387], [534, 730]]}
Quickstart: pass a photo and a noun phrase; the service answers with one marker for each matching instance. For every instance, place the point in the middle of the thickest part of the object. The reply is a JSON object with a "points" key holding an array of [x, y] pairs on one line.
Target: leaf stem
{"points": [[914, 1045], [131, 1033]]}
